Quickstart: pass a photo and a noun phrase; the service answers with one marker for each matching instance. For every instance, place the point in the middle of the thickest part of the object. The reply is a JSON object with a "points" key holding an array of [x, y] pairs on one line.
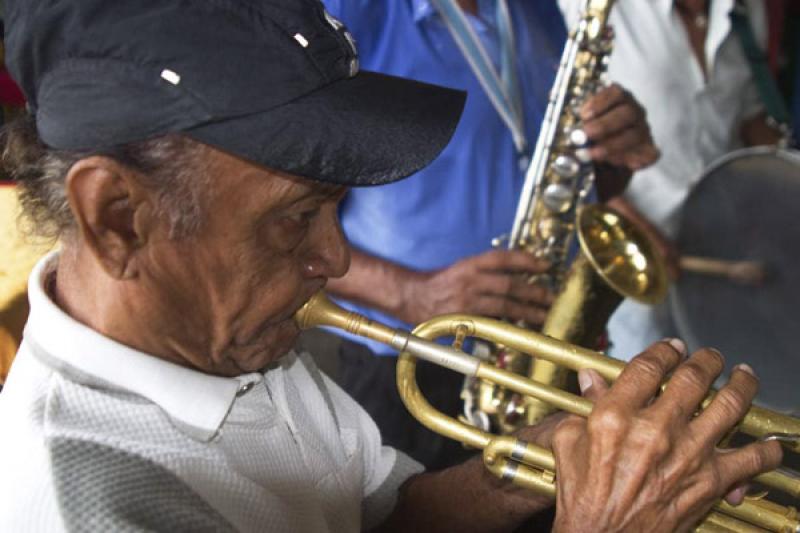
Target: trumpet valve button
{"points": [[557, 198]]}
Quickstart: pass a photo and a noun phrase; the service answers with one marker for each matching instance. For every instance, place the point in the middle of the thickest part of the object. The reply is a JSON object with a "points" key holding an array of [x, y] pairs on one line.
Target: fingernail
{"points": [[678, 344], [736, 496], [584, 380], [746, 368]]}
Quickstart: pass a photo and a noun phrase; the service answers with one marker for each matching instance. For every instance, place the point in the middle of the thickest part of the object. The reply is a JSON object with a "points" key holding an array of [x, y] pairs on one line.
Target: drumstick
{"points": [[741, 272]]}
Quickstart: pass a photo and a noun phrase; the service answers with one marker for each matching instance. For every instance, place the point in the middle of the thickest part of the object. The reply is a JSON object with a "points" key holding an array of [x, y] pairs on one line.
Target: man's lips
{"points": [[288, 316], [319, 287]]}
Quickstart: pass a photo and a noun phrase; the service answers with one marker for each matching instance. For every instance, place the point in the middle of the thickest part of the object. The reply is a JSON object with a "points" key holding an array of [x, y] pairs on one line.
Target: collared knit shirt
{"points": [[98, 436]]}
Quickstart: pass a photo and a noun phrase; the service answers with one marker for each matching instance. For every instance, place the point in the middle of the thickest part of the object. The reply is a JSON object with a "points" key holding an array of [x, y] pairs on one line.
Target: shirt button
{"points": [[244, 388]]}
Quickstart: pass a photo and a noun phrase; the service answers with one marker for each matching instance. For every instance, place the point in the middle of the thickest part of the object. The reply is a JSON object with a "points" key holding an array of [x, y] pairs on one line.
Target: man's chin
{"points": [[269, 351]]}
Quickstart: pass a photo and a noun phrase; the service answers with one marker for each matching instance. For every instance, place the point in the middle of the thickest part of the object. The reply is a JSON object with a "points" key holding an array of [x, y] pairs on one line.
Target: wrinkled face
{"points": [[228, 293]]}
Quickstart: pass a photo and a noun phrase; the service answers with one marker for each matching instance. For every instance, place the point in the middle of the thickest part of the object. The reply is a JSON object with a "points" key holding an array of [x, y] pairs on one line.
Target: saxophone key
{"points": [[557, 197], [575, 106], [583, 155], [578, 137], [552, 228], [567, 166]]}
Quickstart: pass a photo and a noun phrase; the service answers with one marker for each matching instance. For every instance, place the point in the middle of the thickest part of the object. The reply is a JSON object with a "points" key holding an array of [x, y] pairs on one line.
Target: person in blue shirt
{"points": [[422, 247]]}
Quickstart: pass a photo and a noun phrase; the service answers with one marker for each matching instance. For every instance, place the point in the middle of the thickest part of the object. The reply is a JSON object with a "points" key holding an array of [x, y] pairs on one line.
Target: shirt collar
{"points": [[721, 5], [719, 26], [197, 403]]}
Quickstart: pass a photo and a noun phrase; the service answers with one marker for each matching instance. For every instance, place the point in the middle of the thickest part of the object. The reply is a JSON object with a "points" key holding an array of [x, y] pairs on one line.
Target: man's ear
{"points": [[114, 213]]}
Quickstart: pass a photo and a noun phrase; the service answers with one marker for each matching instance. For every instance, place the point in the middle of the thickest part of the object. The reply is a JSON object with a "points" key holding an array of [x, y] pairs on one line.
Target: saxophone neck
{"points": [[599, 10]]}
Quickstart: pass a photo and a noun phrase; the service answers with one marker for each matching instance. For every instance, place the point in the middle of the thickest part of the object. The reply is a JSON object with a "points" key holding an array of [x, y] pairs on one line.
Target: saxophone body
{"points": [[614, 260]]}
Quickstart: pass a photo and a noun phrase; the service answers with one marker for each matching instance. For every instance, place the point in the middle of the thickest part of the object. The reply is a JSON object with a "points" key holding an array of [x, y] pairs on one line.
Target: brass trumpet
{"points": [[527, 464]]}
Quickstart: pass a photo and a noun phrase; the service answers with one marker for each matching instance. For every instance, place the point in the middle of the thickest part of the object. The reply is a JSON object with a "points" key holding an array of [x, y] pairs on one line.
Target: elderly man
{"points": [[191, 156]]}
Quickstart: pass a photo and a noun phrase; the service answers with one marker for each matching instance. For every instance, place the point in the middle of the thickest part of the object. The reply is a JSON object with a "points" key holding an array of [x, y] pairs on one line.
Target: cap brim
{"points": [[366, 130]]}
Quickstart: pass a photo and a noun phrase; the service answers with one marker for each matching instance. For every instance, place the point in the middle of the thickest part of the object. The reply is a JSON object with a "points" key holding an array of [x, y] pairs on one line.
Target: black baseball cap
{"points": [[276, 82]]}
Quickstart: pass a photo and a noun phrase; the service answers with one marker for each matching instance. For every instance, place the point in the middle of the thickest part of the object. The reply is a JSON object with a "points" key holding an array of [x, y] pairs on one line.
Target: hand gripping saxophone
{"points": [[614, 261]]}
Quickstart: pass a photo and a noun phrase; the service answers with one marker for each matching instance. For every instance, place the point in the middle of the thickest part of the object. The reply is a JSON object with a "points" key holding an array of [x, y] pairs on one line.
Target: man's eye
{"points": [[304, 217]]}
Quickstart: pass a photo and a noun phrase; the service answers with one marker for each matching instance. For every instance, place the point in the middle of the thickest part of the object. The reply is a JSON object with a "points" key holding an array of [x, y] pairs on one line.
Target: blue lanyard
{"points": [[503, 89]]}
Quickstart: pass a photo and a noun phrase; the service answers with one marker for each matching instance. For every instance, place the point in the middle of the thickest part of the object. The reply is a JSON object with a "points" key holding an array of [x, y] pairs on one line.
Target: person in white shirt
{"points": [[682, 60], [194, 184]]}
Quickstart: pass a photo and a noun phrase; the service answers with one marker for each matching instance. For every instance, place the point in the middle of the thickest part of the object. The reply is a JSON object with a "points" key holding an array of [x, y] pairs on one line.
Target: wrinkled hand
{"points": [[542, 433], [617, 127], [490, 284], [639, 464]]}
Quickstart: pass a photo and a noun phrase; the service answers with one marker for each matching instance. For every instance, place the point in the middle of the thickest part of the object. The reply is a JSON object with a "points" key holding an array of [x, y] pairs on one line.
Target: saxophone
{"points": [[615, 260]]}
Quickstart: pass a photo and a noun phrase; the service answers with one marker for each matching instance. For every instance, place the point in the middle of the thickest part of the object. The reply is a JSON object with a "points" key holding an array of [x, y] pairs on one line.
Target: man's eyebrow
{"points": [[315, 193], [324, 191]]}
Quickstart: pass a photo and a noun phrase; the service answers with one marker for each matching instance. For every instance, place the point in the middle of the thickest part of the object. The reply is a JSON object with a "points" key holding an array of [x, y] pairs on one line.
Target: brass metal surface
{"points": [[615, 261], [527, 464], [621, 255]]}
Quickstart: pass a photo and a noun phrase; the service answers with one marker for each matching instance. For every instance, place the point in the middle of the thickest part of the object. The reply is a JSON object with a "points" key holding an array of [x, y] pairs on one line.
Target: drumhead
{"points": [[747, 207]]}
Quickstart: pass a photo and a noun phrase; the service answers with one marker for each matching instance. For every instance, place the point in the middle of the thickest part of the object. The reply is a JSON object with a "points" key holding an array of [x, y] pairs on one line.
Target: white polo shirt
{"points": [[97, 436]]}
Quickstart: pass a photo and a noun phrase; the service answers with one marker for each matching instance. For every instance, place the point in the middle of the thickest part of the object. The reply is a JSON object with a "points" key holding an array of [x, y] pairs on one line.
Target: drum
{"points": [[747, 207]]}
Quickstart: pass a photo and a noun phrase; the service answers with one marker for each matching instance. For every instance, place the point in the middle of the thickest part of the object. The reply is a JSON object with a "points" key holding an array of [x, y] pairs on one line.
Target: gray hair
{"points": [[170, 166]]}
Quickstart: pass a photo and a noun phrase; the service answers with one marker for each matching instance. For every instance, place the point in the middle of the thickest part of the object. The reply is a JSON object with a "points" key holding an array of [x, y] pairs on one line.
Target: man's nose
{"points": [[330, 254]]}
